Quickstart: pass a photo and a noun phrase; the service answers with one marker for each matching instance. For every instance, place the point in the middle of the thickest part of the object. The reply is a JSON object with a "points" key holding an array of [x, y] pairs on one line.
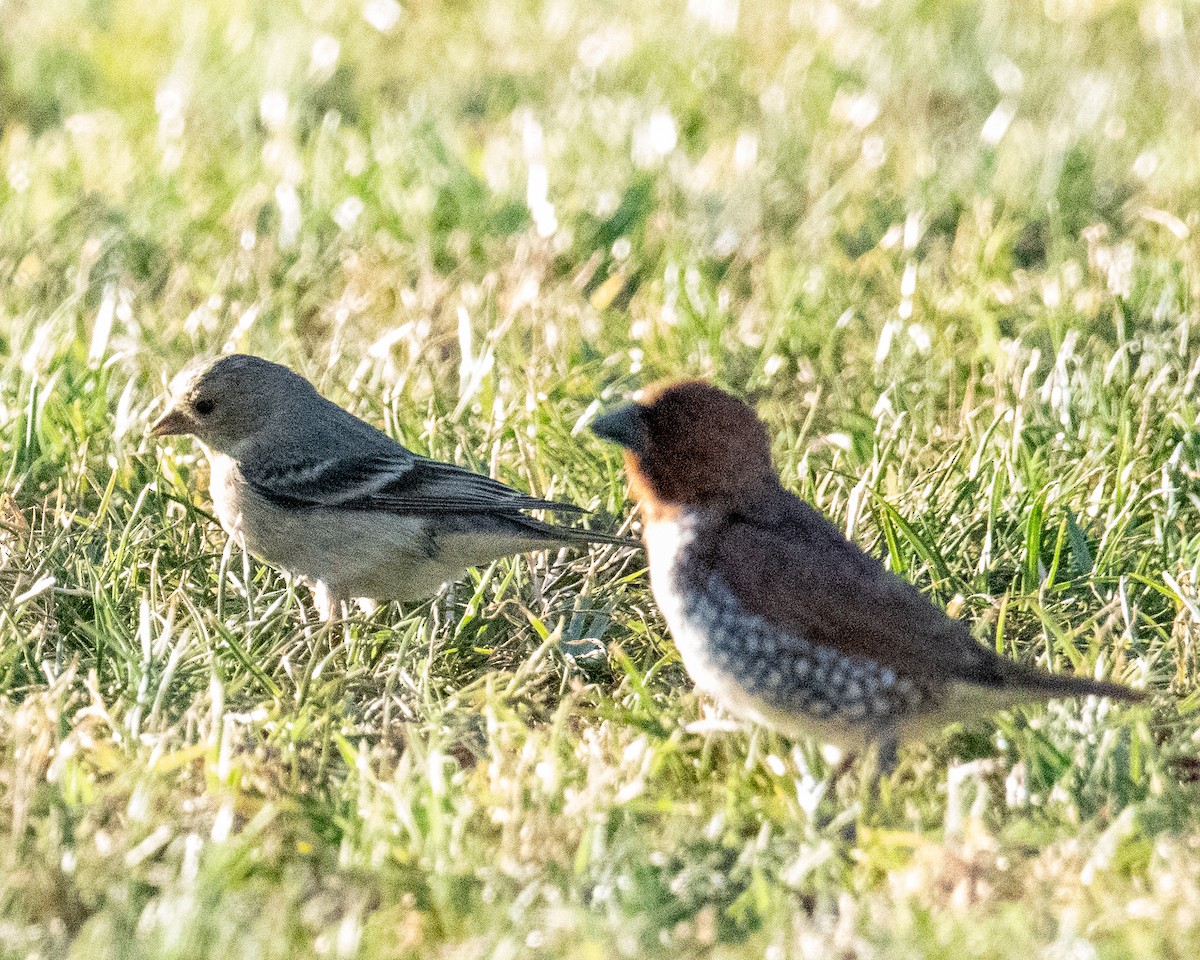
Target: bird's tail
{"points": [[556, 535], [1038, 683]]}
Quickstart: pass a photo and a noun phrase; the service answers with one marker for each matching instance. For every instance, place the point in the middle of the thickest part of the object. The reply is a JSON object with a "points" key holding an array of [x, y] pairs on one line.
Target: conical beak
{"points": [[172, 423], [623, 426]]}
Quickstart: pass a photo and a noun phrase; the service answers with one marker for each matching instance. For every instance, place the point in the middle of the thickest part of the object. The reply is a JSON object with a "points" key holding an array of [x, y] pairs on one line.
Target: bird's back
{"points": [[784, 561]]}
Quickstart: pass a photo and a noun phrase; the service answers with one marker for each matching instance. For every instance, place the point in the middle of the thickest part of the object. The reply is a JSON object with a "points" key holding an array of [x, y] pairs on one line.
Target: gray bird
{"points": [[338, 504]]}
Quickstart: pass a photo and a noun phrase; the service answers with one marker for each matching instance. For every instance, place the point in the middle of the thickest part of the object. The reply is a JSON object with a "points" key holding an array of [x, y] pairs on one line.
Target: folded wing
{"points": [[793, 567], [399, 482]]}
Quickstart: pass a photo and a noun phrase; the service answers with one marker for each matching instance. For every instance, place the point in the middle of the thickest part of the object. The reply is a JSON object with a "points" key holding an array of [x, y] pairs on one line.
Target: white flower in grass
{"points": [[383, 15], [273, 108], [346, 214], [324, 56]]}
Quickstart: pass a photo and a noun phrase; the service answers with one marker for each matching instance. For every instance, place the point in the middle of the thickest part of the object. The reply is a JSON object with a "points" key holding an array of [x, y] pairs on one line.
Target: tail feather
{"points": [[556, 535], [1033, 681]]}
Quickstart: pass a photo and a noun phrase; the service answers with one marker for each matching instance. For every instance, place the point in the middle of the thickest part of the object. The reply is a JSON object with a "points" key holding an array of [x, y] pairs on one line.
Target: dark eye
{"points": [[203, 407]]}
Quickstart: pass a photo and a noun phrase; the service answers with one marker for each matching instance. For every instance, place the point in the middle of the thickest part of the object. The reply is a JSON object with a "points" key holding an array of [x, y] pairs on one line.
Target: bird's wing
{"points": [[393, 482], [794, 568]]}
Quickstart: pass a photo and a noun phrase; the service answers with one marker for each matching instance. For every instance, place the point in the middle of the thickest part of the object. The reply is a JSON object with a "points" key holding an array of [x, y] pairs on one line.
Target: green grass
{"points": [[949, 249]]}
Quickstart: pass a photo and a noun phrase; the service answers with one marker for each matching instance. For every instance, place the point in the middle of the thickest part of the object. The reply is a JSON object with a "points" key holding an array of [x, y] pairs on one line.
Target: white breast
{"points": [[688, 617], [225, 486], [666, 540]]}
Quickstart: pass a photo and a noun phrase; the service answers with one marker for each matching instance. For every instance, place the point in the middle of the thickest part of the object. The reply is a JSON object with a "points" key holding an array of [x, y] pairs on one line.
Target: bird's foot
{"points": [[876, 786]]}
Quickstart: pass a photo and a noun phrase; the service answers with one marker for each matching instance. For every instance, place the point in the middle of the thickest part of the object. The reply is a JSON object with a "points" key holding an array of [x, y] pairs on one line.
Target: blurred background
{"points": [[761, 191]]}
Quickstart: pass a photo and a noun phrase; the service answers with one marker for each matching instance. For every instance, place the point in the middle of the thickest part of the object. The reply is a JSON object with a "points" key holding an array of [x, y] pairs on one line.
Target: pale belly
{"points": [[354, 554]]}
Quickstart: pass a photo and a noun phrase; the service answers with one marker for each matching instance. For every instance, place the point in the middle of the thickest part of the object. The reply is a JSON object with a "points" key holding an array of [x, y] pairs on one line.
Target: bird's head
{"points": [[690, 444], [228, 402]]}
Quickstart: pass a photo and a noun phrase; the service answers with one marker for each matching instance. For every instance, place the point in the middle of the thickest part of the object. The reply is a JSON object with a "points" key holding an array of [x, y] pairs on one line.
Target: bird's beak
{"points": [[624, 426], [172, 423]]}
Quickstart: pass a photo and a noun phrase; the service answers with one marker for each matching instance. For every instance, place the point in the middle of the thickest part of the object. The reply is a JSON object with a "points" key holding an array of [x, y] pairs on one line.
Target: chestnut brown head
{"points": [[690, 444]]}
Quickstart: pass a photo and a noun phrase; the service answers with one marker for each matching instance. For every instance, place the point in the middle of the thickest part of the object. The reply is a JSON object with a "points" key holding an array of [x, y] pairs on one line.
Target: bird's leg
{"points": [[878, 769], [332, 608], [841, 768], [324, 602], [443, 600], [447, 600], [246, 574], [888, 754], [848, 819]]}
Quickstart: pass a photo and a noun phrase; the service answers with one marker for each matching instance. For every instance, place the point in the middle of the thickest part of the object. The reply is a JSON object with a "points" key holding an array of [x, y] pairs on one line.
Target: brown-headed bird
{"points": [[336, 503], [776, 615]]}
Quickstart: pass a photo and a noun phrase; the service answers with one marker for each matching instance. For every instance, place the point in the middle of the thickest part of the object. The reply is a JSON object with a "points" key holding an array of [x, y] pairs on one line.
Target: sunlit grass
{"points": [[948, 249]]}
